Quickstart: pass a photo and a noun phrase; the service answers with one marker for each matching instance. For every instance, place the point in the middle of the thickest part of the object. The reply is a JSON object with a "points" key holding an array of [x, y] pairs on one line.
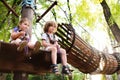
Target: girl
{"points": [[49, 42], [19, 36]]}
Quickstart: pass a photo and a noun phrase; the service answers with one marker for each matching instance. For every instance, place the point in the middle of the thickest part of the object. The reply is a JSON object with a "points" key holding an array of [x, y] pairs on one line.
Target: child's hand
{"points": [[22, 33], [56, 44]]}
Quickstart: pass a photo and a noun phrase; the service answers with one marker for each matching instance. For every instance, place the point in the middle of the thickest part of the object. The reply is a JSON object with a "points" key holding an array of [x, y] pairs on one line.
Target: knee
{"points": [[54, 49], [63, 51], [17, 41]]}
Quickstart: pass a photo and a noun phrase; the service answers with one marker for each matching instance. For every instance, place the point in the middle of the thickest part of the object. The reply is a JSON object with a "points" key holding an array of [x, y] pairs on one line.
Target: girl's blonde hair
{"points": [[48, 24]]}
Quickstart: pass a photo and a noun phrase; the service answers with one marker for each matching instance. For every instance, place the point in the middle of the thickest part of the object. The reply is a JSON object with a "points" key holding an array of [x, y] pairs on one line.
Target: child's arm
{"points": [[15, 35], [45, 44], [56, 43]]}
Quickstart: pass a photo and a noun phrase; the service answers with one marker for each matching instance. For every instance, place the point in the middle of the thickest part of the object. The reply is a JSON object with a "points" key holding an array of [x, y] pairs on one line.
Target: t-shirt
{"points": [[52, 37], [26, 37]]}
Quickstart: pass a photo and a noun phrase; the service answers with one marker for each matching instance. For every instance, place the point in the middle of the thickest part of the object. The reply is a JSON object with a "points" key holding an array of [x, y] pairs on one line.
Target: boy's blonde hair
{"points": [[48, 24]]}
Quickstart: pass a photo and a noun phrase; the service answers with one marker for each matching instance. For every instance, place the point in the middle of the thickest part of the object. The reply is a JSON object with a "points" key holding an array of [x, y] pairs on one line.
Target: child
{"points": [[49, 42], [20, 36]]}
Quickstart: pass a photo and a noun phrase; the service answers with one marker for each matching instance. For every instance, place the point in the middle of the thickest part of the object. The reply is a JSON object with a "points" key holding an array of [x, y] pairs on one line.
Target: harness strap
{"points": [[51, 41]]}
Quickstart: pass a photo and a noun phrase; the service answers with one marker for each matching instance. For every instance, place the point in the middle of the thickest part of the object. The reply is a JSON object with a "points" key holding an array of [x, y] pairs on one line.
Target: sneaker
{"points": [[36, 47], [22, 45]]}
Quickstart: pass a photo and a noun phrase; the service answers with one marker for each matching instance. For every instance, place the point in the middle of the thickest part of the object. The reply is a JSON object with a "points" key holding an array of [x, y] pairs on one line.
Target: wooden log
{"points": [[109, 64], [117, 56], [83, 52]]}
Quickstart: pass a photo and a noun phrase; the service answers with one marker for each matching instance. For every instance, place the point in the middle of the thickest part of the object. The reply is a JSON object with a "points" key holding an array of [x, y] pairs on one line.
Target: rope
{"points": [[85, 30], [64, 12], [69, 20], [70, 16], [40, 17]]}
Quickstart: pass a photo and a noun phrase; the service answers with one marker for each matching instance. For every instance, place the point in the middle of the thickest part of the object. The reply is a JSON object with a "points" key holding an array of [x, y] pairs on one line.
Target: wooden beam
{"points": [[11, 9], [40, 17], [12, 60]]}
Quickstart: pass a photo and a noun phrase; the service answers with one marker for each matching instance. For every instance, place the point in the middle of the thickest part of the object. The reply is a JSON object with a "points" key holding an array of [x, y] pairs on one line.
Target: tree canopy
{"points": [[87, 14]]}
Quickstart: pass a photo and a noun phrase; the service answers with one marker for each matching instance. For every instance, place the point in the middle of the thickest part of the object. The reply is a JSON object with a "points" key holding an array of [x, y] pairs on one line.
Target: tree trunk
{"points": [[110, 21], [20, 76], [27, 12]]}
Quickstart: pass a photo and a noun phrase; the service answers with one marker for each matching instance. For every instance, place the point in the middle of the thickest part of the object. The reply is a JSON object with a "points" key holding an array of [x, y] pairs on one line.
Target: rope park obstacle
{"points": [[80, 55]]}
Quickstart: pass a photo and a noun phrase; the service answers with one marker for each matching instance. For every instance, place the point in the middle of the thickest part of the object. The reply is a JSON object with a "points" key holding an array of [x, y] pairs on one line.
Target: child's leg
{"points": [[34, 46], [17, 41], [30, 45], [65, 69], [54, 59], [63, 56], [53, 54], [21, 44]]}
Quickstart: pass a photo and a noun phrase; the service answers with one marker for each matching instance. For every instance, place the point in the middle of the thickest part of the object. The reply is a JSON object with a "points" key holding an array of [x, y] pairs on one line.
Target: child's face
{"points": [[24, 25], [52, 29]]}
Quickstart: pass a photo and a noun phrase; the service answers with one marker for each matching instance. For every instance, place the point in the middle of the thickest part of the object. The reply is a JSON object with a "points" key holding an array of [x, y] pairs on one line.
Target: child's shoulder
{"points": [[15, 28], [44, 34]]}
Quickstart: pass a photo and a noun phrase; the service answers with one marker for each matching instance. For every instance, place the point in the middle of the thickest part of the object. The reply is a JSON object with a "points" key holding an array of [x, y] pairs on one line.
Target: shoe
{"points": [[66, 70], [36, 47], [55, 70], [22, 45]]}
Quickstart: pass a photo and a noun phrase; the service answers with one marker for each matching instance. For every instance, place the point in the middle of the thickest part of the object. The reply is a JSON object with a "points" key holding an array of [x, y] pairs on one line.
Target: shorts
{"points": [[47, 48]]}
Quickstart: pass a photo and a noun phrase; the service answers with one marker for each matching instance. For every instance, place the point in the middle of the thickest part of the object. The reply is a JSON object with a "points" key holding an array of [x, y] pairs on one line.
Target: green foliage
{"points": [[48, 76], [8, 20], [9, 77], [83, 14], [103, 77], [82, 10], [35, 77], [111, 21], [78, 76], [96, 1], [114, 6], [45, 4], [87, 13], [114, 76], [116, 12]]}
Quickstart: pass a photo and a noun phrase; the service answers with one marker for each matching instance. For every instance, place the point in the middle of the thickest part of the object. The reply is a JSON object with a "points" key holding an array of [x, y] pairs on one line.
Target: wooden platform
{"points": [[12, 61], [81, 55]]}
